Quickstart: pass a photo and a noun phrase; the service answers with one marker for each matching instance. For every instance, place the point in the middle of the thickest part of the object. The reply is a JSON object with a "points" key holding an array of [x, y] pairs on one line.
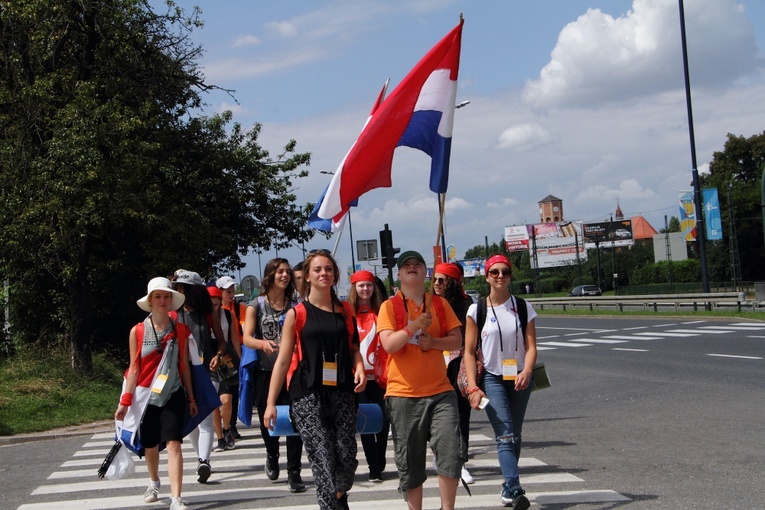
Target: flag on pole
{"points": [[336, 222], [419, 113]]}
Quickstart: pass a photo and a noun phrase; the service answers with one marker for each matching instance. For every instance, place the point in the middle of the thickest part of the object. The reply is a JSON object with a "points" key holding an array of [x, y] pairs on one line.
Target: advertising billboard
{"points": [[516, 238], [687, 215], [555, 244], [608, 234]]}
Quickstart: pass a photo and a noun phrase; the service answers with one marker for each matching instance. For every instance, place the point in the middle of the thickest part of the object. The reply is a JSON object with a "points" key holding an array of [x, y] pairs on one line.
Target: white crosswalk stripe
{"points": [[239, 481]]}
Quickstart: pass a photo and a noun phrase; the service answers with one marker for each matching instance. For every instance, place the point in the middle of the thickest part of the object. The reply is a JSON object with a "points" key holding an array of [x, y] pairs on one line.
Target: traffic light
{"points": [[387, 251]]}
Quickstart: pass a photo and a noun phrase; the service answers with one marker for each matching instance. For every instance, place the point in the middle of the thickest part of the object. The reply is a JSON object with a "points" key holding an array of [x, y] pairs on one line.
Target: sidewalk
{"points": [[76, 430]]}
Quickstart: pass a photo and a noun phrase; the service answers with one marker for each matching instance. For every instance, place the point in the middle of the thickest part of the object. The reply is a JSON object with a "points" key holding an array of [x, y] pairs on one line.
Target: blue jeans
{"points": [[506, 410]]}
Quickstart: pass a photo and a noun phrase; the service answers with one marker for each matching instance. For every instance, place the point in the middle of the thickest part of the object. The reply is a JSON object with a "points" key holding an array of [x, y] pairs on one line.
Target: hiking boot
{"points": [[221, 445], [203, 471], [375, 476], [343, 501], [235, 432], [296, 482], [520, 501], [178, 504], [228, 439], [272, 467], [152, 493]]}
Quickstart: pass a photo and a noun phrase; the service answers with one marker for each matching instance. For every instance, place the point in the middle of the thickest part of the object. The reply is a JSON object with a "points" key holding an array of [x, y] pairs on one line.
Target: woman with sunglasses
{"points": [[508, 357], [319, 358], [447, 283]]}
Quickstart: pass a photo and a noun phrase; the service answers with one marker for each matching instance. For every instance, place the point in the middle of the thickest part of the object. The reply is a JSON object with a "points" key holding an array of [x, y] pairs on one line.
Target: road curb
{"points": [[80, 430]]}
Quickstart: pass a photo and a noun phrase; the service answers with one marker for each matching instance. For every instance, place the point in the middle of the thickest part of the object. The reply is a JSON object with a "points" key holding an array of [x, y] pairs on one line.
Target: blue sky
{"points": [[582, 99]]}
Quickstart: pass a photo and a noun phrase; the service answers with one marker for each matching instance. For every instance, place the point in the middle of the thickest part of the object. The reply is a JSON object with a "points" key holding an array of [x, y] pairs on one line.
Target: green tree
{"points": [[738, 169], [108, 174], [673, 226]]}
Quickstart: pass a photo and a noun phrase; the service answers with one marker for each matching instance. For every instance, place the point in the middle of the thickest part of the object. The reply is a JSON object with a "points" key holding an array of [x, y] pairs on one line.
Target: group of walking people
{"points": [[322, 357]]}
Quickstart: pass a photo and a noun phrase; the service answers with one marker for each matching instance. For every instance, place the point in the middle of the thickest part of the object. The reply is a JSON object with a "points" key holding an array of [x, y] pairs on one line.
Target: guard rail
{"points": [[676, 302]]}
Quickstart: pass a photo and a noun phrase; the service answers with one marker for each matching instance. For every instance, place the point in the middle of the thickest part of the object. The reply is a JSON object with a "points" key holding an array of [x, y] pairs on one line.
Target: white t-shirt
{"points": [[502, 317]]}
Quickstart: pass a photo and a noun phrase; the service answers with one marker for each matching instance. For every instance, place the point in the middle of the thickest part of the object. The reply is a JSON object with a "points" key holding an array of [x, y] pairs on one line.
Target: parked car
{"points": [[586, 290], [473, 294]]}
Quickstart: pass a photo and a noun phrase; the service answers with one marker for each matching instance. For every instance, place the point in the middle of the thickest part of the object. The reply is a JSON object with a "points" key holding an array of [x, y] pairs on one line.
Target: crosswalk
{"points": [[549, 338], [239, 481]]}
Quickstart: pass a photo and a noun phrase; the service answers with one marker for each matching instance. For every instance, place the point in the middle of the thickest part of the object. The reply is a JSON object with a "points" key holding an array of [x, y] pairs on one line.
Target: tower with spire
{"points": [[618, 214]]}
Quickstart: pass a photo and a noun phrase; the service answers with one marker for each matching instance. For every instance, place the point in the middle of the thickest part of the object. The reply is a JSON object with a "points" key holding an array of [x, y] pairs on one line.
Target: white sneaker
{"points": [[178, 504], [466, 476], [152, 493]]}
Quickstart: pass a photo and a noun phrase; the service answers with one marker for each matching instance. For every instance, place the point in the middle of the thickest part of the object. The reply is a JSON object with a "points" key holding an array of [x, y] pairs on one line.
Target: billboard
{"points": [[608, 234], [712, 219], [516, 238], [555, 244]]}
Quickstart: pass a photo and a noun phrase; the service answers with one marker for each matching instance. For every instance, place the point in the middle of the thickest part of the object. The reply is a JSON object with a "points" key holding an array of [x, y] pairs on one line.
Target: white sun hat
{"points": [[161, 283]]}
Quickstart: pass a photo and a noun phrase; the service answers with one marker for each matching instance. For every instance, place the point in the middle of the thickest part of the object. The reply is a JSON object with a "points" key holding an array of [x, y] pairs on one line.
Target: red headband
{"points": [[497, 259], [449, 269], [362, 276]]}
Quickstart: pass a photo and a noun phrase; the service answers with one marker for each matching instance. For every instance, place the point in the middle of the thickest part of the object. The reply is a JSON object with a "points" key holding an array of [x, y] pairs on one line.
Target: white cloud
{"points": [[599, 58], [523, 137], [245, 40], [503, 203]]}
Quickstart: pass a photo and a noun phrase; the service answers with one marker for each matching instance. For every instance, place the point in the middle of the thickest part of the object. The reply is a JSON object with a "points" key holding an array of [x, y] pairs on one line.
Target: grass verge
{"points": [[40, 391]]}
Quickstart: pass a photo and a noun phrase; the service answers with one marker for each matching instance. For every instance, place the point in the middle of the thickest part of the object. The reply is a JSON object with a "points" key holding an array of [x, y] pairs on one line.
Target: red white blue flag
{"points": [[419, 113]]}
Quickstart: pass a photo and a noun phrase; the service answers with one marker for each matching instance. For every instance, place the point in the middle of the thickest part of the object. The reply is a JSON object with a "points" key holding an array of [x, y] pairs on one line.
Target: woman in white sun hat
{"points": [[159, 344]]}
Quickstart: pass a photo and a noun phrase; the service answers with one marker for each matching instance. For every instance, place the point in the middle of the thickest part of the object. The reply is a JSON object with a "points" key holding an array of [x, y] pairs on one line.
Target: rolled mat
{"points": [[368, 421]]}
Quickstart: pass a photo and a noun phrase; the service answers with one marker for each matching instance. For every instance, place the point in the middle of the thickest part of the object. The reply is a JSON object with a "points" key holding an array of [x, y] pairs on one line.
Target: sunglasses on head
{"points": [[495, 272], [320, 252]]}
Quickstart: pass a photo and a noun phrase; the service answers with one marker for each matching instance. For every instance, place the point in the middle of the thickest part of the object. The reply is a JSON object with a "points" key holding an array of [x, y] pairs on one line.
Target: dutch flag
{"points": [[419, 113]]}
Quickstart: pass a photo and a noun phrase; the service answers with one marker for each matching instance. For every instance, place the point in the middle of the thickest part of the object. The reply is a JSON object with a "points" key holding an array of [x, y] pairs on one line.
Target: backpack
{"points": [[300, 317], [181, 333], [399, 311]]}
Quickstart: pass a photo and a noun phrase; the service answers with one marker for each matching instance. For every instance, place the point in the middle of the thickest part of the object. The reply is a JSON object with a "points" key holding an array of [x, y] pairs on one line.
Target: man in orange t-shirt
{"points": [[420, 400]]}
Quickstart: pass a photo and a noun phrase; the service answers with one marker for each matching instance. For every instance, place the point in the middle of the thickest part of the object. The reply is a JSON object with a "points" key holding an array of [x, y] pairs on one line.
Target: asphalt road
{"points": [[643, 414]]}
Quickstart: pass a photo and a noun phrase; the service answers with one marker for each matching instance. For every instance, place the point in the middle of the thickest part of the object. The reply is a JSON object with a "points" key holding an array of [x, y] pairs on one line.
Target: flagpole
{"points": [[350, 235], [441, 239]]}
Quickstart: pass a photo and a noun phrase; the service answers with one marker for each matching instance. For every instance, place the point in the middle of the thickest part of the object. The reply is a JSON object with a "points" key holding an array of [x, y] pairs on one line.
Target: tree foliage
{"points": [[736, 172], [110, 176]]}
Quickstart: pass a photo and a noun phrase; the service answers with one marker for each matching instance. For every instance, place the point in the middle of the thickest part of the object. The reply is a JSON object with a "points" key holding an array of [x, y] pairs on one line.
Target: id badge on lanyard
{"points": [[159, 383], [509, 369], [329, 373]]}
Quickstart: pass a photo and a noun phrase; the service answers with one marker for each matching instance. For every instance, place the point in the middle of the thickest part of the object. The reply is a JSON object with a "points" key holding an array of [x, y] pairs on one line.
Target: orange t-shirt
{"points": [[413, 372]]}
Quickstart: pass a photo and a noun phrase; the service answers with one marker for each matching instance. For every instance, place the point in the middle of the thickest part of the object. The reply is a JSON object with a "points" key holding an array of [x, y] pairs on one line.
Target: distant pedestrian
{"points": [[163, 417], [238, 310]]}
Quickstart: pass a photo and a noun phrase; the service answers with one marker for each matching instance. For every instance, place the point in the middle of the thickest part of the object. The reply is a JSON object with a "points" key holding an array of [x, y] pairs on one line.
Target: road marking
{"points": [[737, 328], [603, 341], [565, 344], [734, 356], [543, 348], [696, 331], [673, 335], [753, 324], [694, 322], [627, 349], [635, 328], [625, 337]]}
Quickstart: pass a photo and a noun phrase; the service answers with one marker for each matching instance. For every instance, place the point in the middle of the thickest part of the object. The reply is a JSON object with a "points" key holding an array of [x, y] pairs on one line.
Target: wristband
{"points": [[406, 330], [470, 391], [191, 400], [126, 399]]}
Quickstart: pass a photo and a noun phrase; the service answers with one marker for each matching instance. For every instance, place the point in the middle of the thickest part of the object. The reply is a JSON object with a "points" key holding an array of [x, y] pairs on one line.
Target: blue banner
{"points": [[711, 205]]}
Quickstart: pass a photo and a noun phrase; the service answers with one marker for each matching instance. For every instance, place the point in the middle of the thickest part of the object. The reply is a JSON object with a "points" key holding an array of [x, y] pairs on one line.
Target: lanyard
{"points": [[514, 304], [322, 332]]}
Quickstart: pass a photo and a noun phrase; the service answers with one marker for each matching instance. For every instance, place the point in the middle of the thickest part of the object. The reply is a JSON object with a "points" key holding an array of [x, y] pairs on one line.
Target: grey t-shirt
{"points": [[269, 327]]}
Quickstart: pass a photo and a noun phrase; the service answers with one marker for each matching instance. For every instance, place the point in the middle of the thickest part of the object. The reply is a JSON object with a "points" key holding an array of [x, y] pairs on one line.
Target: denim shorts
{"points": [[415, 421]]}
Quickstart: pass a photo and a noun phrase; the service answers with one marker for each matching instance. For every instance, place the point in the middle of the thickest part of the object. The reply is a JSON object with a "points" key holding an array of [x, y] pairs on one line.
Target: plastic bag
{"points": [[122, 465]]}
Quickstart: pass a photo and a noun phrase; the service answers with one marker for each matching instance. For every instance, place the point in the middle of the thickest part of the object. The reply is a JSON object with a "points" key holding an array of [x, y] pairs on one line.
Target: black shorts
{"points": [[163, 424]]}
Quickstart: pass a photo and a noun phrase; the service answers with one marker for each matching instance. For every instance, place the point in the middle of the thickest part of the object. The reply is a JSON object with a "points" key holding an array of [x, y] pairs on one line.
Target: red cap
{"points": [[497, 259], [215, 292], [362, 276]]}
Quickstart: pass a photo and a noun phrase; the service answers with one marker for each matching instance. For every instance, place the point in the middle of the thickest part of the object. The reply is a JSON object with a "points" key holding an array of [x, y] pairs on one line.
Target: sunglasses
{"points": [[439, 280], [495, 272], [320, 252]]}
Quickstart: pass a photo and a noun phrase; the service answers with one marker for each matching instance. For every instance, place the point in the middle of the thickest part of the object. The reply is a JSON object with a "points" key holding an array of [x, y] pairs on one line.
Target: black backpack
{"points": [[523, 315]]}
